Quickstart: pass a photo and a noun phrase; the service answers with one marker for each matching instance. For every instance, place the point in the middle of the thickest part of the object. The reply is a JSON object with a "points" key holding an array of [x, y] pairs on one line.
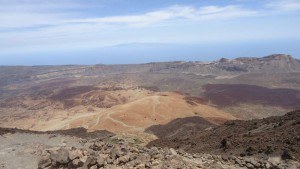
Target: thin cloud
{"points": [[36, 13], [173, 13], [31, 15], [31, 28], [284, 5]]}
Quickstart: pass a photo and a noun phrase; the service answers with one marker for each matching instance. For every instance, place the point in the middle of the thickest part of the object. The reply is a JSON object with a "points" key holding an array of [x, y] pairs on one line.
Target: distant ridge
{"points": [[276, 63]]}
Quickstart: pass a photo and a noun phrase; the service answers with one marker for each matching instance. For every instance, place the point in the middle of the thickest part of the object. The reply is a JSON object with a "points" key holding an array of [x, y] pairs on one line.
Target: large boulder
{"points": [[60, 157], [75, 154], [44, 162]]}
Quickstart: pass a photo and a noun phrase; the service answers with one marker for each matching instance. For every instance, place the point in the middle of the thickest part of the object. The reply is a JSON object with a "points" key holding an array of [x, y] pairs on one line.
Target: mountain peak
{"points": [[222, 60], [279, 57]]}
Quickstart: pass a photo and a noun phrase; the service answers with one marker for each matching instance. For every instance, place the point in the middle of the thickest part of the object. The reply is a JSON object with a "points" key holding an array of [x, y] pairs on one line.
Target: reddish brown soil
{"points": [[76, 132], [46, 89], [12, 103], [230, 94], [87, 95], [69, 93], [262, 137]]}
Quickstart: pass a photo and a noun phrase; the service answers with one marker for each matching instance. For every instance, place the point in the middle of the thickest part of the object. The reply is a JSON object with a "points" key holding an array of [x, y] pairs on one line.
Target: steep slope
{"points": [[277, 63], [273, 136], [180, 125]]}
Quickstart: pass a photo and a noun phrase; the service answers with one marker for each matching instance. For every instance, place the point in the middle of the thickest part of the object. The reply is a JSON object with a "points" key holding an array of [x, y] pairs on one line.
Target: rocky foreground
{"points": [[102, 154], [51, 151]]}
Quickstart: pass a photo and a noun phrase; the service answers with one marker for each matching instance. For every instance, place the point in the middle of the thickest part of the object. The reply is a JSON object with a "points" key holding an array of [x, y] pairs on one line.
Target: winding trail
{"points": [[122, 123], [155, 102], [107, 115]]}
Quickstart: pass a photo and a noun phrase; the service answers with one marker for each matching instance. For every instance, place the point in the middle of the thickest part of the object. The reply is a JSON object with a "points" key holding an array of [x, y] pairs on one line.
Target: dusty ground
{"points": [[23, 150]]}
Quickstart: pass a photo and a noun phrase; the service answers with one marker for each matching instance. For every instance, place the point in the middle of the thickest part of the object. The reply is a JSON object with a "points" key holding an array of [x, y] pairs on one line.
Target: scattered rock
{"points": [[258, 138], [173, 152]]}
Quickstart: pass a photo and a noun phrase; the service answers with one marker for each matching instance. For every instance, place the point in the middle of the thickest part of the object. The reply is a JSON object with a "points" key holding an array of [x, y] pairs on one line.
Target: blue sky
{"points": [[34, 32]]}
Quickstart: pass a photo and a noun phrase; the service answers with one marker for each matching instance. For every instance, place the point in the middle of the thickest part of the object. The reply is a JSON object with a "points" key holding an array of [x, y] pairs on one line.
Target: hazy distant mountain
{"points": [[270, 64], [277, 63]]}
